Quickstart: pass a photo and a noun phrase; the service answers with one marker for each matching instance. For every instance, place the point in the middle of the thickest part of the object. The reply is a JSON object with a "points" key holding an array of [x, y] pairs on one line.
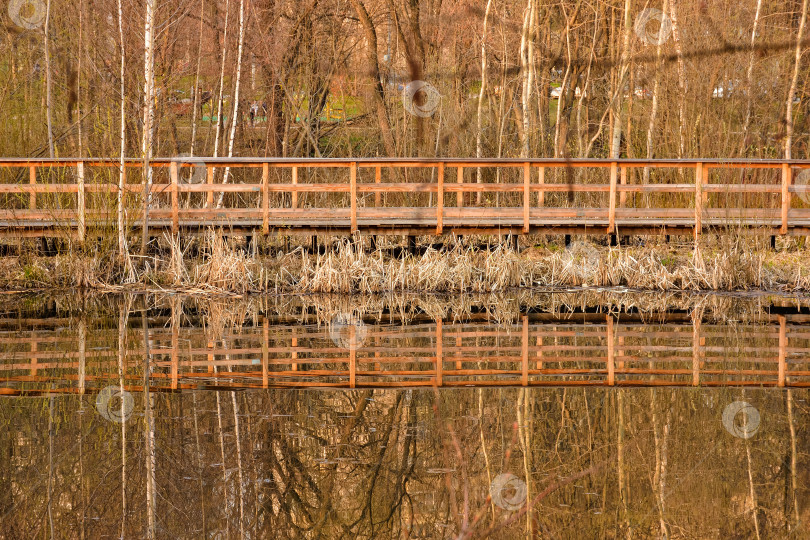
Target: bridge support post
{"points": [[782, 361], [611, 370], [699, 172], [175, 200], [412, 245], [313, 244], [265, 199], [786, 178], [80, 203]]}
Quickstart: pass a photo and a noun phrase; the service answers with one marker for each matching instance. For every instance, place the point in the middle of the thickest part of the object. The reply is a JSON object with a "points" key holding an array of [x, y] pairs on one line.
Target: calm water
{"points": [[547, 415]]}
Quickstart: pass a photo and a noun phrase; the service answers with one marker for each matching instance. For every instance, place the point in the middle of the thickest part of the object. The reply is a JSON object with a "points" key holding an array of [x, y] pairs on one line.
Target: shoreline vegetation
{"points": [[214, 264]]}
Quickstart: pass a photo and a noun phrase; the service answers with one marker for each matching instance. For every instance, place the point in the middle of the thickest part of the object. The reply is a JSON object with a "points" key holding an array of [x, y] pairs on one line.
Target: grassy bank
{"points": [[214, 264]]}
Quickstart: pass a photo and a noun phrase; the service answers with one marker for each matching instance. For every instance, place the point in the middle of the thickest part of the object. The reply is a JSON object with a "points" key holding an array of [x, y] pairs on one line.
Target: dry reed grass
{"points": [[219, 266]]}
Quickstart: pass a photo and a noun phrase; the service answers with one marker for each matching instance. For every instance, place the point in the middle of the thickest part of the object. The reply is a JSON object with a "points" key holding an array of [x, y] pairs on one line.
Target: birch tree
{"points": [[148, 114], [235, 117], [482, 91]]}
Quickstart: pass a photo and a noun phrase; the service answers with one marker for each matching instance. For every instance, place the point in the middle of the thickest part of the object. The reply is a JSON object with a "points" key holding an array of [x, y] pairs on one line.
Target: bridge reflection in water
{"points": [[541, 349]]}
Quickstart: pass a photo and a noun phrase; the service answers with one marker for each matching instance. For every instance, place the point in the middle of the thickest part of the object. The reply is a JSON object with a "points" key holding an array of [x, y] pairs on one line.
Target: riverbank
{"points": [[215, 265]]}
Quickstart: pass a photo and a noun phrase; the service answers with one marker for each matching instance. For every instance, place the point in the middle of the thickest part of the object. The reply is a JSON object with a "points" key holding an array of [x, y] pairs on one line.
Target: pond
{"points": [[591, 413]]}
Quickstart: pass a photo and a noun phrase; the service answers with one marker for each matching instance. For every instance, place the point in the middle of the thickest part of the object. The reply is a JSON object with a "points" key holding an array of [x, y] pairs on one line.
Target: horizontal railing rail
{"points": [[517, 202]]}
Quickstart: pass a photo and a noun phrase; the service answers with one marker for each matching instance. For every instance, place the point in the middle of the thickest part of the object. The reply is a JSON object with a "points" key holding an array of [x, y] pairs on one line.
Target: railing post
{"points": [[294, 194], [80, 203], [82, 354], [612, 210], [352, 356], [209, 199], [524, 358], [353, 193], [265, 199], [265, 351], [438, 380], [294, 353], [611, 368], [460, 194], [527, 178], [541, 179], [623, 182], [175, 199], [440, 200], [377, 180], [696, 342], [698, 199], [32, 179], [786, 179], [782, 351], [175, 340]]}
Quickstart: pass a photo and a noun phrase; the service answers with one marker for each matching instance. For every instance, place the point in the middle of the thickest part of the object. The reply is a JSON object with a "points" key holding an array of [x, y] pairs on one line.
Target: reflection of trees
{"points": [[405, 463]]}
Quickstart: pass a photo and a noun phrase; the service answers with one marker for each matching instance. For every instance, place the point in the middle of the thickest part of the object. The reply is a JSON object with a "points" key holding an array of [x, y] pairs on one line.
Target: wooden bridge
{"points": [[542, 349], [69, 197]]}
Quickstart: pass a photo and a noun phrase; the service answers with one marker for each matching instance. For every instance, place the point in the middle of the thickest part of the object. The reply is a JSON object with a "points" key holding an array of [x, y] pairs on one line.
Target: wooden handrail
{"points": [[513, 214]]}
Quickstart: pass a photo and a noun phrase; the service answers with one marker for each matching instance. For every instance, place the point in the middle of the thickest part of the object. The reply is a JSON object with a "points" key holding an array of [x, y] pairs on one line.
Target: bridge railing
{"points": [[538, 350], [350, 194]]}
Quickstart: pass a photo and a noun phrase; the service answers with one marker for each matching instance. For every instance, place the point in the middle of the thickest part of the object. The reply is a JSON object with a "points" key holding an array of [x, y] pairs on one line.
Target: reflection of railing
{"points": [[596, 350], [602, 205]]}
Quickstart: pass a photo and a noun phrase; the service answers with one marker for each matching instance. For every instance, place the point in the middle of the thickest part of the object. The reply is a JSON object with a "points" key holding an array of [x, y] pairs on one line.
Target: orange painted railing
{"points": [[539, 350], [705, 193]]}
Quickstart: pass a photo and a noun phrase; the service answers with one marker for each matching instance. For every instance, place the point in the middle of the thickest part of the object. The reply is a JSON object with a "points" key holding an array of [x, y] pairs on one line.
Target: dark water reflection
{"points": [[213, 459]]}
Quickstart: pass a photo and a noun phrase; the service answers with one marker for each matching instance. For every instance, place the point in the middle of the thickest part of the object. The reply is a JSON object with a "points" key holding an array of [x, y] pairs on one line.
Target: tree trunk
{"points": [[377, 94], [749, 78], [479, 149], [48, 82], [235, 117], [793, 82], [148, 114], [616, 139]]}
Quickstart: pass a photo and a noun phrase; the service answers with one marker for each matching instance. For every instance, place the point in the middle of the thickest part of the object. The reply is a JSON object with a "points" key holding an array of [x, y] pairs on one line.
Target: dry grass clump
{"points": [[213, 264]]}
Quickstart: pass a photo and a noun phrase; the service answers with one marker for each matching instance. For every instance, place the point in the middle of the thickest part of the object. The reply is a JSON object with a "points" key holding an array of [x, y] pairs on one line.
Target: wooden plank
{"points": [[173, 173], [612, 204], [265, 200], [460, 181], [32, 179], [440, 200], [782, 360], [80, 211], [353, 194], [786, 198], [611, 369], [527, 177]]}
